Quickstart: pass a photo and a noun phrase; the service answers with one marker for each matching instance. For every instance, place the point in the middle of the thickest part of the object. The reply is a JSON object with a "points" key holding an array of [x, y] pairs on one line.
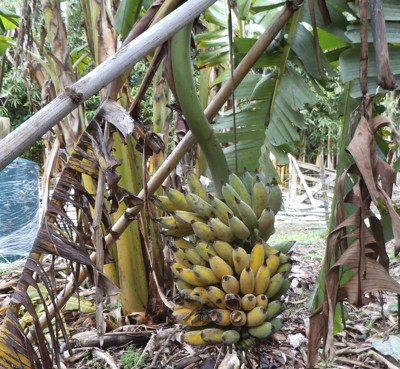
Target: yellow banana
{"points": [[262, 280], [247, 281], [193, 257], [230, 284], [205, 275], [274, 309], [259, 197], [198, 205], [200, 294], [275, 196], [262, 300], [238, 228], [240, 188], [164, 203], [177, 232], [221, 231], [249, 302], [182, 285], [188, 304], [224, 250], [203, 231], [219, 266], [187, 217], [193, 278], [184, 244], [221, 317], [266, 223], [273, 264], [240, 259], [270, 250], [275, 285], [257, 256], [220, 209], [196, 186], [262, 331], [247, 214], [204, 249], [213, 336], [177, 198], [256, 316], [193, 319], [170, 222], [233, 301], [230, 337], [238, 318], [194, 338], [180, 257], [216, 296], [176, 269], [230, 196]]}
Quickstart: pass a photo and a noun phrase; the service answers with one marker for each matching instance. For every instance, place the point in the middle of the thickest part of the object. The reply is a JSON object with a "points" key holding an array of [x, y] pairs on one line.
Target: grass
{"points": [[131, 357]]}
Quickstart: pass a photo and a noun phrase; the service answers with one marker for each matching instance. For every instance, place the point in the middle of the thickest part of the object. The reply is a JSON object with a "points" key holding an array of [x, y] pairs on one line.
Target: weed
{"points": [[130, 358]]}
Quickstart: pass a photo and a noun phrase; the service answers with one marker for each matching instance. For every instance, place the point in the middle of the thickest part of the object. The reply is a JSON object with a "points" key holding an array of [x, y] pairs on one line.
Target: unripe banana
{"points": [[256, 316], [262, 300], [170, 222], [213, 336], [240, 259], [283, 258], [233, 301], [194, 338], [285, 286], [196, 186], [221, 231], [266, 223], [247, 281], [262, 280], [200, 294], [187, 217], [198, 205], [262, 331], [220, 209], [216, 296], [182, 285], [164, 203], [285, 269], [177, 232], [240, 188], [274, 309], [284, 247], [221, 317], [275, 285], [203, 231], [193, 278], [230, 284], [194, 258], [205, 275], [257, 256], [249, 302], [259, 197], [248, 180], [176, 269], [180, 257], [177, 198], [184, 244], [204, 249], [270, 250], [219, 266], [273, 264], [230, 196], [238, 228], [238, 318], [247, 214], [276, 324], [224, 250], [230, 337], [275, 196]]}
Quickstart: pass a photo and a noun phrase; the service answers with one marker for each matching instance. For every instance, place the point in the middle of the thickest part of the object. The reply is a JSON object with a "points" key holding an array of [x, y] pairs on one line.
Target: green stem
{"points": [[192, 110]]}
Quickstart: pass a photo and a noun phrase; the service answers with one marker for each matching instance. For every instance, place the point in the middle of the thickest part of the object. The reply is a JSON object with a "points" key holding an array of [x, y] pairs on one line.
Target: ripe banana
{"points": [[180, 257], [184, 244], [196, 186], [257, 256], [238, 228], [176, 269], [203, 231], [191, 277], [191, 317], [273, 264], [198, 205], [240, 188], [247, 214], [230, 337], [169, 222], [194, 338], [221, 317], [182, 285], [261, 280], [238, 318], [224, 250], [256, 316], [165, 204], [230, 284], [219, 266], [266, 223], [230, 196], [249, 302], [262, 331], [275, 196], [187, 217], [240, 259], [193, 257], [213, 336], [262, 300], [221, 231], [177, 198], [275, 285], [216, 296], [205, 275], [274, 309], [233, 301], [220, 209], [247, 281], [259, 197], [204, 249], [200, 294]]}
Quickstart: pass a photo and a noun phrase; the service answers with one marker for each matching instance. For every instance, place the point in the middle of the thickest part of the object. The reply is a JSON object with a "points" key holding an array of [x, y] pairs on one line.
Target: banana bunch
{"points": [[227, 295]]}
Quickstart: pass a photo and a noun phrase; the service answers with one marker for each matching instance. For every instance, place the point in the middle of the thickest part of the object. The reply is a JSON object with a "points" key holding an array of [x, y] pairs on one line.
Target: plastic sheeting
{"points": [[19, 208]]}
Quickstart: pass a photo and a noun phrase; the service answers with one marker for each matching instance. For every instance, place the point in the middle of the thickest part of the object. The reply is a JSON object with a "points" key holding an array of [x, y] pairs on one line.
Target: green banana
{"points": [[266, 223], [221, 231], [247, 214], [164, 203], [275, 285], [240, 188], [196, 186], [238, 228], [220, 209], [230, 196], [262, 331], [284, 247], [194, 257], [274, 309], [187, 217], [230, 337], [177, 198], [275, 196], [203, 231], [198, 205], [259, 197]]}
